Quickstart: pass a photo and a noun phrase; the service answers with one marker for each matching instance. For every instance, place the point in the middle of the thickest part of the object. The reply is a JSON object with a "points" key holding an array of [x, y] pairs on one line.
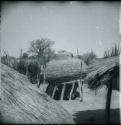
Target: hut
{"points": [[24, 103], [65, 77], [63, 55], [104, 72]]}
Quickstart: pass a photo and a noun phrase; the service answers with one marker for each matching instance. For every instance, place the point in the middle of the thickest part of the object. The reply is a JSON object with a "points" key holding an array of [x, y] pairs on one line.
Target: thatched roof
{"points": [[59, 71], [100, 72], [22, 102]]}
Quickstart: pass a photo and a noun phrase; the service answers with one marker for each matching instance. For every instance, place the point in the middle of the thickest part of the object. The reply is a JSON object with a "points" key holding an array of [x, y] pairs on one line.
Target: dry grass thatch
{"points": [[22, 102], [59, 71], [101, 71]]}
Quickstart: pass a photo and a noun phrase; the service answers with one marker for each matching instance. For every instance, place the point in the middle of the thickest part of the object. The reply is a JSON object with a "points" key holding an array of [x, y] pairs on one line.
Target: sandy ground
{"points": [[91, 101], [92, 109]]}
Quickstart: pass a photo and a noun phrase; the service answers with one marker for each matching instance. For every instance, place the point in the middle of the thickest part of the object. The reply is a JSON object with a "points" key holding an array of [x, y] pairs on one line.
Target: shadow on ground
{"points": [[96, 116]]}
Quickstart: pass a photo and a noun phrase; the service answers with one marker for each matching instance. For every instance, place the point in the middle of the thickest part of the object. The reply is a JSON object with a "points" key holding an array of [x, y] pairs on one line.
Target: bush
{"points": [[21, 67], [88, 57], [33, 71]]}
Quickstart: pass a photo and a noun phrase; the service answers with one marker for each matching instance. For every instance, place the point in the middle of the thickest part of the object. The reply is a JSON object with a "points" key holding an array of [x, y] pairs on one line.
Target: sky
{"points": [[71, 25]]}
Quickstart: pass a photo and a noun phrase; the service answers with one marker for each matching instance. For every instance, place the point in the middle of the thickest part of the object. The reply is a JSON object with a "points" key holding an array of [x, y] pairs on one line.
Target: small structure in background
{"points": [[63, 77], [104, 72]]}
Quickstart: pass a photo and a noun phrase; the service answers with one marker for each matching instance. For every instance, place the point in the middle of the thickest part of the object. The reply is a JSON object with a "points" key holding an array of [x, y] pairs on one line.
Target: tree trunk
{"points": [[44, 74], [38, 74], [108, 100]]}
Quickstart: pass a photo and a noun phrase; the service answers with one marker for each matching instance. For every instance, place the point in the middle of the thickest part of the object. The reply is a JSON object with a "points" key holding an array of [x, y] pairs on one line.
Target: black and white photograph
{"points": [[60, 62]]}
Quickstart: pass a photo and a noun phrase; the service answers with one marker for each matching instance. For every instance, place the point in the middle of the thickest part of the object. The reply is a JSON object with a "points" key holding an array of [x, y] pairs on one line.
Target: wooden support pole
{"points": [[79, 89], [42, 73], [71, 90], [108, 100], [80, 83], [54, 90], [41, 69], [62, 92]]}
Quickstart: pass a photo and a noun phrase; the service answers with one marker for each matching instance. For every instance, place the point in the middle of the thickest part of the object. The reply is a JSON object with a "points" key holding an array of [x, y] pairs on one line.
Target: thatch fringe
{"points": [[101, 71]]}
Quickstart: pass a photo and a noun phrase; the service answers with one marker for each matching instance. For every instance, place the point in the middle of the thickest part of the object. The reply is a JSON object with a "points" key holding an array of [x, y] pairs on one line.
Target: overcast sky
{"points": [[72, 25]]}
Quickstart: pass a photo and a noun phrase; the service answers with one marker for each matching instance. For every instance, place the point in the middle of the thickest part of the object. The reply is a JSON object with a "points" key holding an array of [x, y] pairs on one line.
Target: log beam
{"points": [[62, 92], [54, 90], [69, 82], [71, 91]]}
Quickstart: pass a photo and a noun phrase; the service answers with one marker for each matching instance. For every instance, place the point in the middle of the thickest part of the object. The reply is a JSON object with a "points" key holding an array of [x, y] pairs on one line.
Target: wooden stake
{"points": [[62, 92], [55, 87], [71, 90]]}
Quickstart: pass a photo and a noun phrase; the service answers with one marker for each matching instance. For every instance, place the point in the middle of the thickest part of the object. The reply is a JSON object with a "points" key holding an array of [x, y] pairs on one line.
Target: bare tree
{"points": [[42, 49]]}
